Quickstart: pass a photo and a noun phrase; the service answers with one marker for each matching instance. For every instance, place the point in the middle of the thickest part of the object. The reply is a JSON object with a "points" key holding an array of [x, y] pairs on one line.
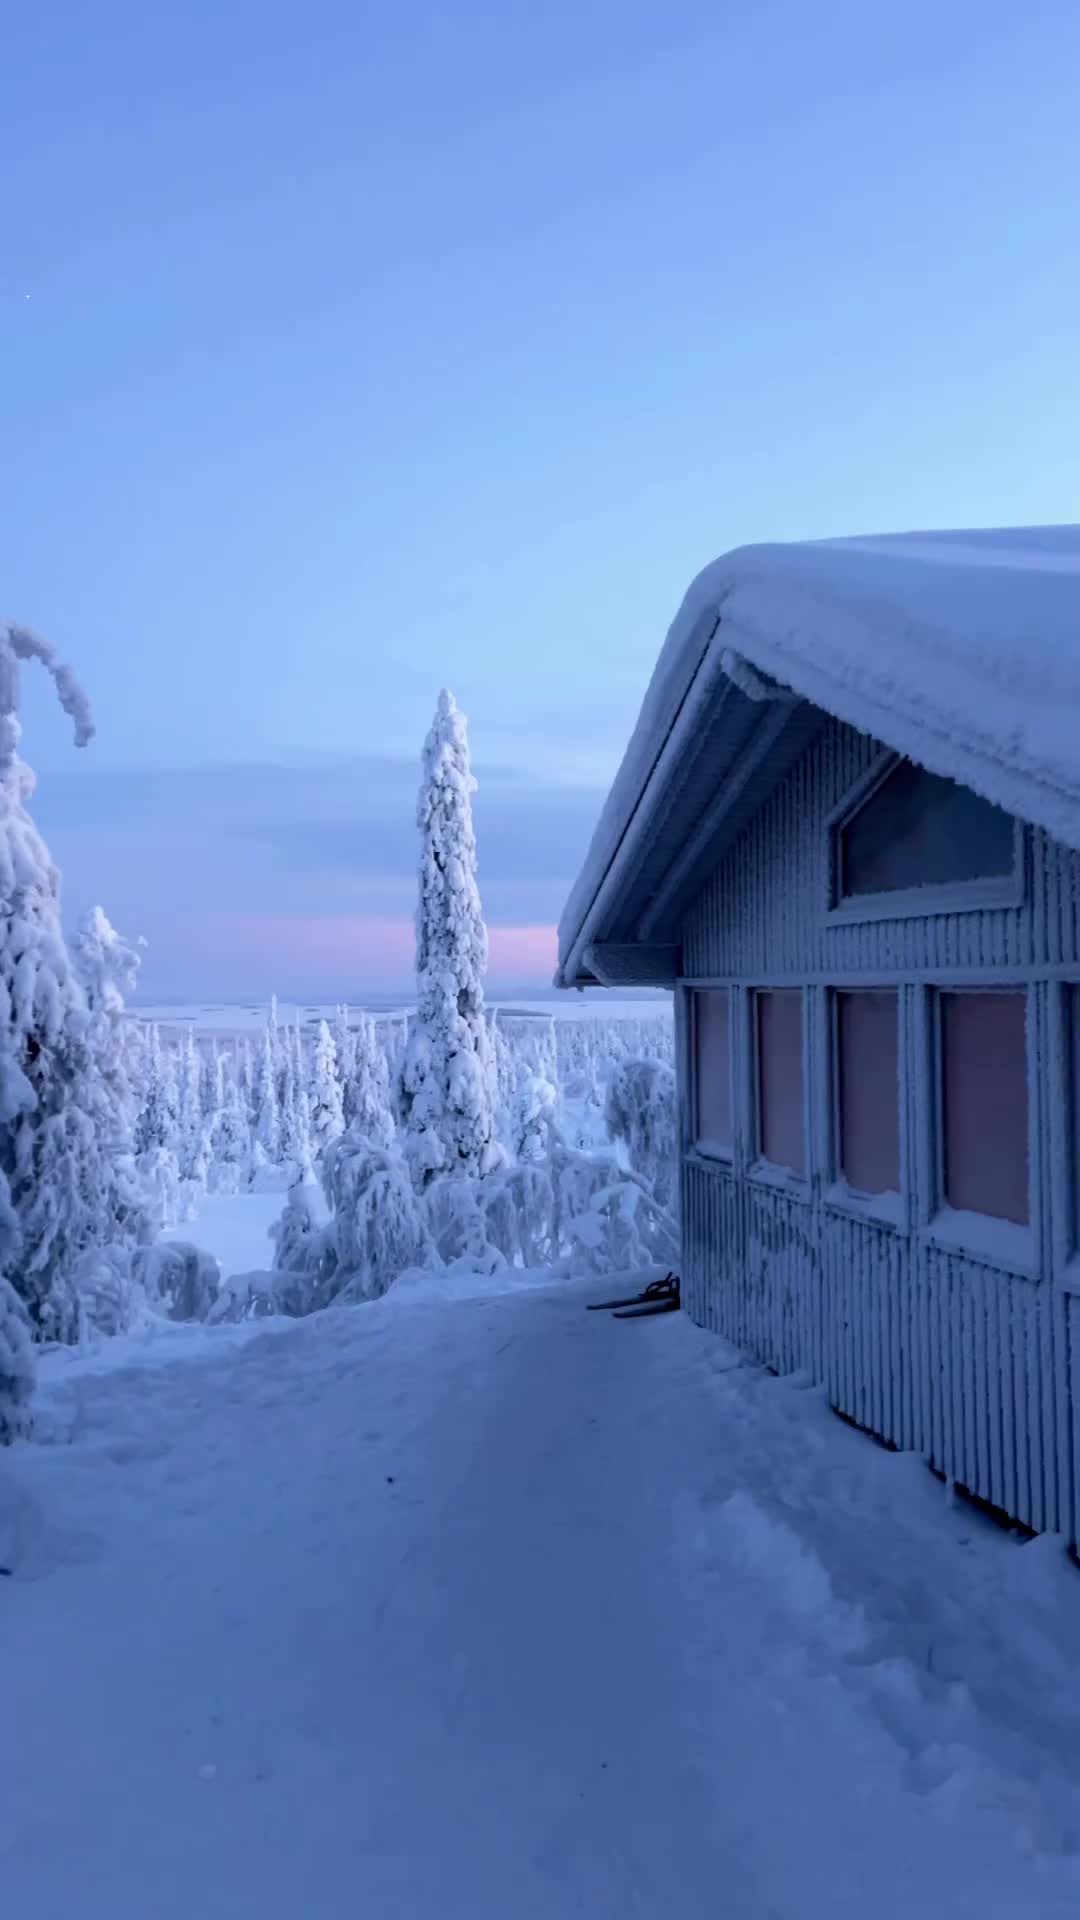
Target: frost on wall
{"points": [[447, 1080]]}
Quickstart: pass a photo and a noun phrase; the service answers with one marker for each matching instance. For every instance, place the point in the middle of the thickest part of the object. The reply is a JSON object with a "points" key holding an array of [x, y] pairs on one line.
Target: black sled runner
{"points": [[647, 1310], [660, 1296]]}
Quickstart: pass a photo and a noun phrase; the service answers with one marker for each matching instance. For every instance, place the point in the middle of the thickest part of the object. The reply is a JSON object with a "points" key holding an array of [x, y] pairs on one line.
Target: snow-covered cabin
{"points": [[847, 833]]}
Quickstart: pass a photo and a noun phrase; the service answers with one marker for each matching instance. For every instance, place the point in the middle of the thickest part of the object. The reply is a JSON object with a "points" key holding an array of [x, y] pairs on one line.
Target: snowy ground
{"points": [[236, 1228], [467, 1607]]}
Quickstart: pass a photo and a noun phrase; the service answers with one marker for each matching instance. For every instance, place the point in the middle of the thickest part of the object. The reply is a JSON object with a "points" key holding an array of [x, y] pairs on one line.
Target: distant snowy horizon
{"points": [[210, 1012]]}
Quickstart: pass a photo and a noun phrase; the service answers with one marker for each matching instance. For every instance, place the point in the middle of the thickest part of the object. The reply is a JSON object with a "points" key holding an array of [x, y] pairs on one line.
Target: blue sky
{"points": [[372, 347]]}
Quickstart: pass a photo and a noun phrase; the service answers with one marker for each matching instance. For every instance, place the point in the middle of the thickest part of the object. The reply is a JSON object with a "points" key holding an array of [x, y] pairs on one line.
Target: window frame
{"points": [[1062, 1111], [955, 896], [1008, 1245], [891, 1209], [767, 1172], [714, 1156]]}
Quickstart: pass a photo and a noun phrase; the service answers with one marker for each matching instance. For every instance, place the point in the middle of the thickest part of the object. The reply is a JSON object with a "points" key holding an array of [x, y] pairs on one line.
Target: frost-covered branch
{"points": [[17, 644]]}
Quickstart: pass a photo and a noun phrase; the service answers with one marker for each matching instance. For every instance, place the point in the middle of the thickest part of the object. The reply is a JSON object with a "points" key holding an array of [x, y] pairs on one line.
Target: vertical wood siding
{"points": [[762, 911], [931, 1348]]}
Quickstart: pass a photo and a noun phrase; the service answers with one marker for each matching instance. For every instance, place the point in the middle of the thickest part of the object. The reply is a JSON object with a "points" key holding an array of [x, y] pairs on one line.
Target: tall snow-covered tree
{"points": [[266, 1102], [209, 1084], [345, 1047], [158, 1122], [108, 970], [371, 1118], [447, 1082], [191, 1127], [243, 1070], [156, 1127], [294, 1149], [57, 1177], [325, 1100], [230, 1134]]}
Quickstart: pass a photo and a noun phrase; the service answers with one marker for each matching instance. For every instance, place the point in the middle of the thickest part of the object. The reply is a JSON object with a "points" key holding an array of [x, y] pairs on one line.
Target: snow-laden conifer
{"points": [[230, 1135], [325, 1092], [447, 1082], [56, 1184], [265, 1103], [371, 1117]]}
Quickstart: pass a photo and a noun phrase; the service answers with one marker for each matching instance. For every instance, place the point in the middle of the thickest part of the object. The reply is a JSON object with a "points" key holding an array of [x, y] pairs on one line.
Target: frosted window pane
{"points": [[985, 1103], [868, 1075], [781, 1132], [712, 1068], [918, 830]]}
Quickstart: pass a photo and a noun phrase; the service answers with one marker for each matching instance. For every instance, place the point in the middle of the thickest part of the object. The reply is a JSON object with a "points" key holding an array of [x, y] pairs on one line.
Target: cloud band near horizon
{"points": [[247, 880]]}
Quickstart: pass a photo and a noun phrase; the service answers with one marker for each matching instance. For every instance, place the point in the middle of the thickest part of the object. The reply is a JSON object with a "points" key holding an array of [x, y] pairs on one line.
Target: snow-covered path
{"points": [[487, 1607]]}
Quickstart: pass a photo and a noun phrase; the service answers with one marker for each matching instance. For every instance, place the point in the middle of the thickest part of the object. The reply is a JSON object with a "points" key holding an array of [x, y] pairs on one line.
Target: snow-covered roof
{"points": [[961, 650]]}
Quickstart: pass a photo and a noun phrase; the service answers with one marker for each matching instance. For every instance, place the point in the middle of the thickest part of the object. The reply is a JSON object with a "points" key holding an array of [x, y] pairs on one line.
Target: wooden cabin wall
{"points": [[930, 1347]]}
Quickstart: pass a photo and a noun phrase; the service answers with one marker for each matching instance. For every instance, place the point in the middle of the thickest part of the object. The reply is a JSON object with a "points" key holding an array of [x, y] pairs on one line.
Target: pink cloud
{"points": [[522, 954], [355, 952]]}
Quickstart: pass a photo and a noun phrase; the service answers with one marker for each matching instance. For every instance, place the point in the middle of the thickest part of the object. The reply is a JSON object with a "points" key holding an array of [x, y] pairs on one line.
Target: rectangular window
{"points": [[712, 1071], [868, 1091], [984, 1103], [781, 1118]]}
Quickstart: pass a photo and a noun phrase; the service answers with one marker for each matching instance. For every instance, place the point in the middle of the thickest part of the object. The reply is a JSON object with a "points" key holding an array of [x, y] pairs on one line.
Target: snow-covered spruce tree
{"points": [[345, 1050], [155, 1124], [267, 1116], [243, 1068], [59, 1186], [295, 1110], [325, 1096], [376, 1226], [371, 1117], [447, 1079], [641, 1112], [209, 1085], [156, 1127], [230, 1135], [108, 970], [527, 1081], [191, 1130]]}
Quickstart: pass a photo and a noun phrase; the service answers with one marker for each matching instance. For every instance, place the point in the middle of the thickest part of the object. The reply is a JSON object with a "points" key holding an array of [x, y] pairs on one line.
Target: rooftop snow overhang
{"points": [[959, 650], [732, 735]]}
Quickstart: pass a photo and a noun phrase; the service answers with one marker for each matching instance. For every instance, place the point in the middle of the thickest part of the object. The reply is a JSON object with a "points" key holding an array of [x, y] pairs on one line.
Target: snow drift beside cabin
{"points": [[961, 650]]}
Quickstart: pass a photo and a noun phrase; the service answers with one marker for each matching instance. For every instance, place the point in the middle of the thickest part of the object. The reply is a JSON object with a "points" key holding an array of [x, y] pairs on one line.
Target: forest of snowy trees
{"points": [[457, 1136]]}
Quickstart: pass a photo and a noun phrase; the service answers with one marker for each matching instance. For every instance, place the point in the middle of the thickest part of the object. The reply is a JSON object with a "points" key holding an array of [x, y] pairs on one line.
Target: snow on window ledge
{"points": [[765, 1174], [880, 1209], [712, 1151], [906, 903], [1000, 1243]]}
